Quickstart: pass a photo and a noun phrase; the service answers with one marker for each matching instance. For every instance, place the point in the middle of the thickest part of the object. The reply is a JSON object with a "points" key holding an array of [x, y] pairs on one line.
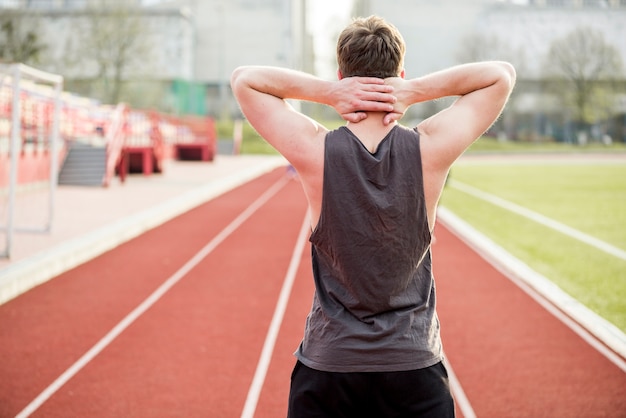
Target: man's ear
{"points": [[339, 75], [402, 73]]}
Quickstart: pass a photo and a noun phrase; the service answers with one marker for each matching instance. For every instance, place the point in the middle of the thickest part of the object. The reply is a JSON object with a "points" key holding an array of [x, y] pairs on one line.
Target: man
{"points": [[371, 345]]}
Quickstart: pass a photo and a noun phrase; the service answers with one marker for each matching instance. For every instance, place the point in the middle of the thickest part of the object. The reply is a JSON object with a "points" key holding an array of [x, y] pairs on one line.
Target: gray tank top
{"points": [[374, 302]]}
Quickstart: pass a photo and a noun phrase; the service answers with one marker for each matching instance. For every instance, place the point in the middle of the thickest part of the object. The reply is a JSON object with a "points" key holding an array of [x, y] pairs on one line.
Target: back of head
{"points": [[370, 47]]}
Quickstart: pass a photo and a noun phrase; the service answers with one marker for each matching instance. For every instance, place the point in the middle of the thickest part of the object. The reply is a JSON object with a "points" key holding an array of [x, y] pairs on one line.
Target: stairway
{"points": [[84, 165]]}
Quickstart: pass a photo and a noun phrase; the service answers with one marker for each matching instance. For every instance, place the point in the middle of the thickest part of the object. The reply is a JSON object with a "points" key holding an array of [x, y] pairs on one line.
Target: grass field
{"points": [[587, 195], [254, 144]]}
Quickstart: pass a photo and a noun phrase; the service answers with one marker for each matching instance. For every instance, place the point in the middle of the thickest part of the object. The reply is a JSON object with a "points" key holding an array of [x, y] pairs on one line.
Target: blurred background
{"points": [[177, 56]]}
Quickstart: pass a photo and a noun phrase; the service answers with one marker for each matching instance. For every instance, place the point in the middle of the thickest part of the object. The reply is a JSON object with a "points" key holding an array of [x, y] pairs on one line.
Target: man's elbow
{"points": [[236, 76], [509, 74], [239, 78]]}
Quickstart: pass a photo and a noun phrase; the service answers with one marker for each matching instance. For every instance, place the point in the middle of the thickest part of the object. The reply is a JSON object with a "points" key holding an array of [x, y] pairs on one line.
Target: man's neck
{"points": [[371, 130]]}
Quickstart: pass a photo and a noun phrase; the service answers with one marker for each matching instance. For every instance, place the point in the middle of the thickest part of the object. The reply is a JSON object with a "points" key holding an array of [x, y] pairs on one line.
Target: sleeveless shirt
{"points": [[374, 303]]}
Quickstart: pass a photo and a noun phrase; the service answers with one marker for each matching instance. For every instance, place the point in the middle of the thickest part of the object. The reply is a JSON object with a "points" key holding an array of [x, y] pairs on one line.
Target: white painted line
{"points": [[25, 274], [270, 340], [572, 313], [272, 334], [150, 300], [544, 220], [458, 393]]}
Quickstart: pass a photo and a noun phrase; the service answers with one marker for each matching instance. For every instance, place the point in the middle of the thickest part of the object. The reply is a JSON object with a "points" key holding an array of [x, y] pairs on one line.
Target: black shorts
{"points": [[413, 393]]}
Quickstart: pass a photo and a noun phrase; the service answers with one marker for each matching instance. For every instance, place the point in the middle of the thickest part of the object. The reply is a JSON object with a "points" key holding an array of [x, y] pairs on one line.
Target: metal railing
{"points": [[115, 137], [21, 82]]}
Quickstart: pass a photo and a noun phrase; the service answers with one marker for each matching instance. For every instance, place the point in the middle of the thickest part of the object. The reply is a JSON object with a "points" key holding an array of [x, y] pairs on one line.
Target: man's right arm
{"points": [[262, 93], [483, 89]]}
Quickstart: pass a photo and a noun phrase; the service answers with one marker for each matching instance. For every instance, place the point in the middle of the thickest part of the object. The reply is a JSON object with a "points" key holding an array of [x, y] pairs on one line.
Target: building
{"points": [[197, 44], [435, 31], [444, 33], [194, 45], [227, 34]]}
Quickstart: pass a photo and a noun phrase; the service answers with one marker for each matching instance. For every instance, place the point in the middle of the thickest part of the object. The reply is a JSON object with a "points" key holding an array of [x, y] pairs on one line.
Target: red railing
{"points": [[115, 136], [152, 137], [156, 135]]}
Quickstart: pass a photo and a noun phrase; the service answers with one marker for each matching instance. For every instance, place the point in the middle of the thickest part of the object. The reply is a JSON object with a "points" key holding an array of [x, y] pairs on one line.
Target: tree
{"points": [[480, 46], [116, 39], [581, 68], [18, 39]]}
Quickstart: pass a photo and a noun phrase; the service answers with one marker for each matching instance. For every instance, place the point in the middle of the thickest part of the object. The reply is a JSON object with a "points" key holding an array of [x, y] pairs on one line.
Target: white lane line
{"points": [[592, 328], [270, 340], [544, 220], [150, 300], [272, 334], [458, 393]]}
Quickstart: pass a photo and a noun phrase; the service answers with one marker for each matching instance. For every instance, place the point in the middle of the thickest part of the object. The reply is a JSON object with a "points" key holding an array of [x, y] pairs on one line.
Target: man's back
{"points": [[374, 308]]}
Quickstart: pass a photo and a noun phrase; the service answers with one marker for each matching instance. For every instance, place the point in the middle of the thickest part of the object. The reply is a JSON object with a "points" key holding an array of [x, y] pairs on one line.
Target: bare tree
{"points": [[480, 46], [581, 68], [19, 41], [484, 47], [116, 40]]}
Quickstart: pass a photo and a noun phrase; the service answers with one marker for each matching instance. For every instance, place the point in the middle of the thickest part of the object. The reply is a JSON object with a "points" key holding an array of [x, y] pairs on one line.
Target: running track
{"points": [[174, 323]]}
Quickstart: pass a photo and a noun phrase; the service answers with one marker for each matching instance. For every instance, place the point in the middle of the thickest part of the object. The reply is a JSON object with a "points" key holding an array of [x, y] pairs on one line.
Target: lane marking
{"points": [[151, 300], [272, 334], [254, 391], [602, 335], [541, 219], [458, 393]]}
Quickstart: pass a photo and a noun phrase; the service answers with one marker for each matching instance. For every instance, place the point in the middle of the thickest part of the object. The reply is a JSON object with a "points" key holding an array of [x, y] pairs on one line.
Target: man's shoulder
{"points": [[306, 154], [408, 129], [340, 130]]}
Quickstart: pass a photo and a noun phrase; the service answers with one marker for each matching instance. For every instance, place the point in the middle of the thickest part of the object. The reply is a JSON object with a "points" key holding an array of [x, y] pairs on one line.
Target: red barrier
{"points": [[201, 143], [136, 140]]}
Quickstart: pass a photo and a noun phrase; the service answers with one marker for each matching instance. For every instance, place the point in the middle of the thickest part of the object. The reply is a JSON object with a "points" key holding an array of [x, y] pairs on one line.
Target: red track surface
{"points": [[194, 352]]}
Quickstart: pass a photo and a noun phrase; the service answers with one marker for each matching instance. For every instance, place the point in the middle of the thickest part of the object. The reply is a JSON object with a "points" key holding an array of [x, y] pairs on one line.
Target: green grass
{"points": [[588, 197], [253, 143], [489, 144]]}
